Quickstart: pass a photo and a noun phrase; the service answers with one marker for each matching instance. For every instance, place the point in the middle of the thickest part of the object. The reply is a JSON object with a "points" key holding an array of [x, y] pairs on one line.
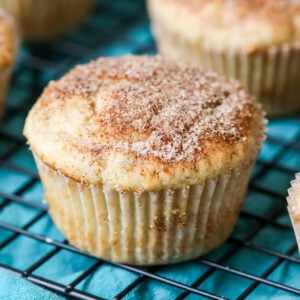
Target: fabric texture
{"points": [[117, 28], [13, 287]]}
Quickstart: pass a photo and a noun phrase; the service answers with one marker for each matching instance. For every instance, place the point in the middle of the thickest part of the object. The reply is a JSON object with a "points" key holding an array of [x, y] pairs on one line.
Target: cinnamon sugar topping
{"points": [[154, 107]]}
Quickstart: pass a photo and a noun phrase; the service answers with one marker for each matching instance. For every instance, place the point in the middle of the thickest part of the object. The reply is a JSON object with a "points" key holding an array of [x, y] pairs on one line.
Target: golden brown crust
{"points": [[143, 123], [226, 24], [8, 40]]}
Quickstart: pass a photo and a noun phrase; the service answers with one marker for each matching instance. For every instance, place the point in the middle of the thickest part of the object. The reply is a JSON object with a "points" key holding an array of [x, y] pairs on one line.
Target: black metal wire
{"points": [[269, 271], [53, 286], [38, 61]]}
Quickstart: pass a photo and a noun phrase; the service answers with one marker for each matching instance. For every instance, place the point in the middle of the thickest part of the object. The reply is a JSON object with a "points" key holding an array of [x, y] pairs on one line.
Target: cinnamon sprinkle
{"points": [[152, 106]]}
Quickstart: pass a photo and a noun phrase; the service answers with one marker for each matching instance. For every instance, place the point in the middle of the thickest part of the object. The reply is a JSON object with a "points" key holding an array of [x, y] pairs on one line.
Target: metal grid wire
{"points": [[248, 265]]}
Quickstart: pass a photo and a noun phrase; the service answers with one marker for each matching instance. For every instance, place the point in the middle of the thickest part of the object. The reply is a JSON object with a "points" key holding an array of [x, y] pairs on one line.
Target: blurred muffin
{"points": [[144, 160], [9, 43], [257, 42], [294, 206], [42, 19]]}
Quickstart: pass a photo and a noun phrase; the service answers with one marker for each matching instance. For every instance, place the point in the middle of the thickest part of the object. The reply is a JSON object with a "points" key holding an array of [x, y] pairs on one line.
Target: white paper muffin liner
{"points": [[147, 228], [47, 18], [293, 201], [272, 75]]}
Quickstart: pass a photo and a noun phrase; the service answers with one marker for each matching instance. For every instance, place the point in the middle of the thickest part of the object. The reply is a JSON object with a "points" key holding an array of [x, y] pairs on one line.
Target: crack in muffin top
{"points": [[150, 106]]}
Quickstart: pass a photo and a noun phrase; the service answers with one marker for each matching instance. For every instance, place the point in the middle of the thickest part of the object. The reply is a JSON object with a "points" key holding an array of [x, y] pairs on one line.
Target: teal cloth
{"points": [[106, 33], [12, 287]]}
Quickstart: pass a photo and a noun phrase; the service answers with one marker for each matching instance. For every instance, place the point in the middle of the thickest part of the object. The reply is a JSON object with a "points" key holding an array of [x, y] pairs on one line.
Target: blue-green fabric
{"points": [[12, 287], [116, 28]]}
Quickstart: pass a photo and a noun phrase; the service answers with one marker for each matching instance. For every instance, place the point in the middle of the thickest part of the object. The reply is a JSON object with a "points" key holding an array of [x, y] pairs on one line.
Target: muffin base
{"points": [[272, 75], [146, 228]]}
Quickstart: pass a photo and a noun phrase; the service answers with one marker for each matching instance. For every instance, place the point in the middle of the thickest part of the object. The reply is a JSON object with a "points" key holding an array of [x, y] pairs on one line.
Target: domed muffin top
{"points": [[231, 24], [142, 122]]}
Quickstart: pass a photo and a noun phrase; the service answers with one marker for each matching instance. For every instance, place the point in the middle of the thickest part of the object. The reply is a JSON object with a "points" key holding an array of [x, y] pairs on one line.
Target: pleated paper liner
{"points": [[293, 200], [272, 75], [148, 228], [44, 19]]}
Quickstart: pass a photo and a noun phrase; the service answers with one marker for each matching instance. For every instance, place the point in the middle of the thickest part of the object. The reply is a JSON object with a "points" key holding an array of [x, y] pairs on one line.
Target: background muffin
{"points": [[256, 41], [144, 160], [47, 18], [9, 42], [294, 206]]}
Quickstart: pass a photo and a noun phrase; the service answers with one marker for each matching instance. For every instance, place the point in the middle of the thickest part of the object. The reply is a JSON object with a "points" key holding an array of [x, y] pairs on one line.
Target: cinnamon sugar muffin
{"points": [[257, 42], [144, 160], [42, 19], [294, 206], [9, 43]]}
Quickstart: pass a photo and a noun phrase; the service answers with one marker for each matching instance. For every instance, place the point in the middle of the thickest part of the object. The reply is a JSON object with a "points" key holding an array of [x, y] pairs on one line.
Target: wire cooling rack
{"points": [[258, 261]]}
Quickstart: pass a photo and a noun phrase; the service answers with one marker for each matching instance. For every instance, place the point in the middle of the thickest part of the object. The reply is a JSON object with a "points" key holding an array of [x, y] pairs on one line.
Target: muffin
{"points": [[144, 161], [294, 206], [47, 18], [9, 43], [257, 42]]}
